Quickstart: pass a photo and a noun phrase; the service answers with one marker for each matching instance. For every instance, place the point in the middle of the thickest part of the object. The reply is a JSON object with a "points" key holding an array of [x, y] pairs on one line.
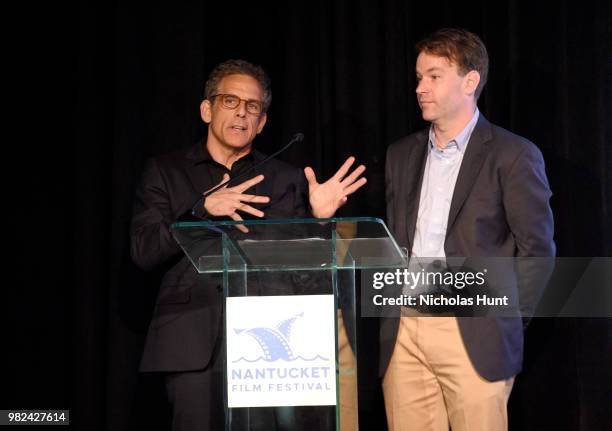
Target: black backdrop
{"points": [[116, 83]]}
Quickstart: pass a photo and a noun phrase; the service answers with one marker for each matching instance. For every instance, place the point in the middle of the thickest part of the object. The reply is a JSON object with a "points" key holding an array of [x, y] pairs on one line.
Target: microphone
{"points": [[298, 137]]}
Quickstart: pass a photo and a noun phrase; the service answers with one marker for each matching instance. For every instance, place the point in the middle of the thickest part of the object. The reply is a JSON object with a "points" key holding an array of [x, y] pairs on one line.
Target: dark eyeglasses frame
{"points": [[246, 103]]}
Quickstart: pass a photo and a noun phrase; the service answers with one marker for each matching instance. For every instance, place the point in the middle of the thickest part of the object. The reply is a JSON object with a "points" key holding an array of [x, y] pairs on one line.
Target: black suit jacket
{"points": [[500, 208], [186, 321]]}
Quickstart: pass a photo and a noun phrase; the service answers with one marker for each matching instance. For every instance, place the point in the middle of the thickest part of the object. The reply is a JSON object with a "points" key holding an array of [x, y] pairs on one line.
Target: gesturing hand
{"points": [[227, 200], [326, 198]]}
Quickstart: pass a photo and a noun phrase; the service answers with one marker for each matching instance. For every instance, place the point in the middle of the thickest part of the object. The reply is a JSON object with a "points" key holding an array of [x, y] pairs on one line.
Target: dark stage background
{"points": [[112, 83]]}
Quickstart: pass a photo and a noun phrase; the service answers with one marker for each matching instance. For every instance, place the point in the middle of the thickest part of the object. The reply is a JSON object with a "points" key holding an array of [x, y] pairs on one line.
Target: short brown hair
{"points": [[238, 67], [461, 47]]}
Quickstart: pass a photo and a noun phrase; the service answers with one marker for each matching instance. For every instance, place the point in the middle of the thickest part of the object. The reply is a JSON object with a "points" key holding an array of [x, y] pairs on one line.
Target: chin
{"points": [[428, 117], [237, 141], [237, 146]]}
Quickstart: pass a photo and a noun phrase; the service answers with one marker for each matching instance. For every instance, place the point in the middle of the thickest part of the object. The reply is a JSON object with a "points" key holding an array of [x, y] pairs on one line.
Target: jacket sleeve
{"points": [[529, 216], [151, 240], [526, 200]]}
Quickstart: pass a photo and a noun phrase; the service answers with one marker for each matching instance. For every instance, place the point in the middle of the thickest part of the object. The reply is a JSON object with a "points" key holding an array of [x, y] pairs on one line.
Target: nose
{"points": [[420, 88], [241, 109]]}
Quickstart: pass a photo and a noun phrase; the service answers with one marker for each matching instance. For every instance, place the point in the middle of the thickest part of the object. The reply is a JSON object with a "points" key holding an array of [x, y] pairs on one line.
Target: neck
{"points": [[227, 155], [447, 130]]}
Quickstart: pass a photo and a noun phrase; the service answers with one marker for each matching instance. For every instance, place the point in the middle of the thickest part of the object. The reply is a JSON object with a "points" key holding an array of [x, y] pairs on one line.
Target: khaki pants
{"points": [[430, 382], [347, 365]]}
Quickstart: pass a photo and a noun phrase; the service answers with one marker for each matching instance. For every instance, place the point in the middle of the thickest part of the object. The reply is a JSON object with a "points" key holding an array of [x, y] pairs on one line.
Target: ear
{"points": [[206, 111], [261, 122], [471, 81]]}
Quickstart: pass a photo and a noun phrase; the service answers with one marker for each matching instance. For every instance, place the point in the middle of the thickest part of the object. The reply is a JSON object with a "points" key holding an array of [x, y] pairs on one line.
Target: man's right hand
{"points": [[227, 200]]}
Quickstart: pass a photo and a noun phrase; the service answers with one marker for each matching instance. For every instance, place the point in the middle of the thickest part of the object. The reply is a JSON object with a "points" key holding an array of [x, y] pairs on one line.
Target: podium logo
{"points": [[281, 351], [275, 342]]}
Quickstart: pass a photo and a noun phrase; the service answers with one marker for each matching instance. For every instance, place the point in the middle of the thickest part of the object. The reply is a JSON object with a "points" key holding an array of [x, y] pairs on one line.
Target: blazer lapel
{"points": [[470, 168], [413, 179]]}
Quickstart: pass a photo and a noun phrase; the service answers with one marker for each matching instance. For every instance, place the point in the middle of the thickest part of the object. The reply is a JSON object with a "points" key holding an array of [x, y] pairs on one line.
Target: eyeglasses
{"points": [[231, 101]]}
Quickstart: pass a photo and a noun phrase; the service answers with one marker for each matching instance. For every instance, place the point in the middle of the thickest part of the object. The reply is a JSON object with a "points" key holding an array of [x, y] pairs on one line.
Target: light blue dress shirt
{"points": [[439, 178]]}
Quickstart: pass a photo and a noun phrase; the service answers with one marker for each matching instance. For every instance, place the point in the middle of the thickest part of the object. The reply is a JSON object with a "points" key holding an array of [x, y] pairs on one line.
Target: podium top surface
{"points": [[288, 244]]}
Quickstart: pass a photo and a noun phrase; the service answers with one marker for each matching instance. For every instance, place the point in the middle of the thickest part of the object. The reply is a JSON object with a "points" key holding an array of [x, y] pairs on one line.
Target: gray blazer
{"points": [[500, 208]]}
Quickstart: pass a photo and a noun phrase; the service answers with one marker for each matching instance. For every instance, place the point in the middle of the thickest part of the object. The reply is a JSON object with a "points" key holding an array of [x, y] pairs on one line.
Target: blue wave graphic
{"points": [[274, 360], [275, 342]]}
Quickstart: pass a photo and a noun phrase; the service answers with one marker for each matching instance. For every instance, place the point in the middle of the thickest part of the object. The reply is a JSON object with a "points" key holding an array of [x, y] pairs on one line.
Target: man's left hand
{"points": [[326, 198]]}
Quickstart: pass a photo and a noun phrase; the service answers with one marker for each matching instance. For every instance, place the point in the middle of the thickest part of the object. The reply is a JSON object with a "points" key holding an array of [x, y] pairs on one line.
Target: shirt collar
{"points": [[199, 154], [461, 140]]}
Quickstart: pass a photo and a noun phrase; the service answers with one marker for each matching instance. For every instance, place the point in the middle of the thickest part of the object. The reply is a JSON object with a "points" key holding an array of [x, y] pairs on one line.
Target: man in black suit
{"points": [[183, 338], [462, 188]]}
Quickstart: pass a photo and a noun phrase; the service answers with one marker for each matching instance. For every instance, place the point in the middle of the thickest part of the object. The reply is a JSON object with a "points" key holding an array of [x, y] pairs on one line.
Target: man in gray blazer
{"points": [[462, 188]]}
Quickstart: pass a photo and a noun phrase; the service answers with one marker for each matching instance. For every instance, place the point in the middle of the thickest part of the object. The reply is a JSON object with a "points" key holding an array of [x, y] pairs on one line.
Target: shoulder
{"points": [[158, 169], [510, 144], [179, 157], [171, 161], [407, 143]]}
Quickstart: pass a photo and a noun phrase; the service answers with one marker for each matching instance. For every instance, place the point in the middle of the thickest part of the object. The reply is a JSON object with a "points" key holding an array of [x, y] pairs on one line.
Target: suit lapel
{"points": [[470, 168], [413, 179]]}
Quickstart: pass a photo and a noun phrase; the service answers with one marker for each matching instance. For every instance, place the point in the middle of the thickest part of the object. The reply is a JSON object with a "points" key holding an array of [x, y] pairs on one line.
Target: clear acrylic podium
{"points": [[290, 313]]}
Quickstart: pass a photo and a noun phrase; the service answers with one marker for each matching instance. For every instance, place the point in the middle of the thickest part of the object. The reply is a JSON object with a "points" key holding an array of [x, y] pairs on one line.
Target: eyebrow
{"points": [[431, 69]]}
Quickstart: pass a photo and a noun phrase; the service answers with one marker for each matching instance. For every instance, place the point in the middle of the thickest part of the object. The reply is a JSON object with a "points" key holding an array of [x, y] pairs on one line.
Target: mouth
{"points": [[238, 128]]}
